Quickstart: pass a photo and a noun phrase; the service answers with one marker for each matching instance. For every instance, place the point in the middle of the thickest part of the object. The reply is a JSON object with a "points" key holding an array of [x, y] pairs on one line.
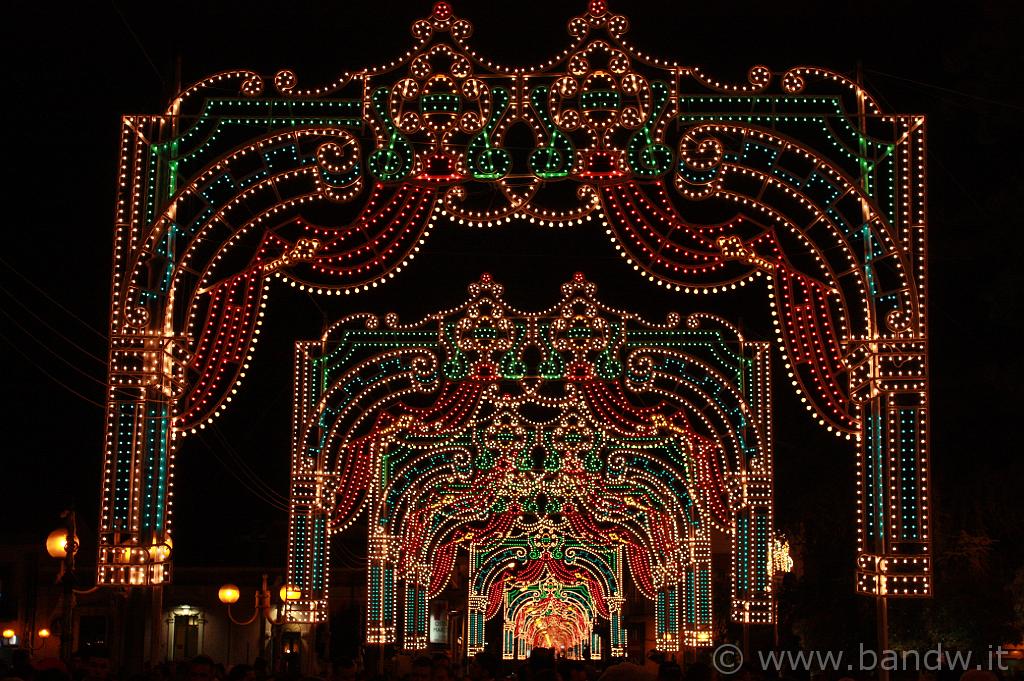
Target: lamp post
{"points": [[43, 634], [229, 595], [62, 544], [36, 642]]}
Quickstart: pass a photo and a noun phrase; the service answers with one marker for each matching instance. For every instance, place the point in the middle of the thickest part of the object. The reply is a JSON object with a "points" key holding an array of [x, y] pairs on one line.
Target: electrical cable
{"points": [[50, 350], [52, 299], [48, 374], [968, 95], [234, 474], [254, 477], [52, 328], [138, 42]]}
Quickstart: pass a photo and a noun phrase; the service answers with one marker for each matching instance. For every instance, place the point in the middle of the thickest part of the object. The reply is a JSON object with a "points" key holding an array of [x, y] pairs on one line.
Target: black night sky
{"points": [[72, 70]]}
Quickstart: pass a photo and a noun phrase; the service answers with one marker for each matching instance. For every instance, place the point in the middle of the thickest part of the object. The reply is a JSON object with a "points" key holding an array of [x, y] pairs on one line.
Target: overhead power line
{"points": [[52, 299], [46, 373], [52, 328]]}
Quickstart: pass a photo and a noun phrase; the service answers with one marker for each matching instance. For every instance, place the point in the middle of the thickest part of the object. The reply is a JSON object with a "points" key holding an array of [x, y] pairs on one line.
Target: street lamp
{"points": [[229, 594], [289, 592], [39, 640], [57, 543], [10, 638]]}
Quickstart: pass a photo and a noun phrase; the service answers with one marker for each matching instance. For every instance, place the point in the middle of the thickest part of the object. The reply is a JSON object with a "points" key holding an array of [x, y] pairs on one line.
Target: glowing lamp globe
{"points": [[290, 592], [43, 633], [228, 594], [57, 543], [158, 553], [8, 633]]}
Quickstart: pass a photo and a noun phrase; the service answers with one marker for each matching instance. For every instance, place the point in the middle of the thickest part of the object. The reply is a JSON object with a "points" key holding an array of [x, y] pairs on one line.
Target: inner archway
{"points": [[567, 447]]}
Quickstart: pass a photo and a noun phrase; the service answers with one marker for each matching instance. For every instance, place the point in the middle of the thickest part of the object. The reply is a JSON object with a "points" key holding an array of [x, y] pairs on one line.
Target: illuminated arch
{"points": [[448, 433], [794, 179], [525, 576]]}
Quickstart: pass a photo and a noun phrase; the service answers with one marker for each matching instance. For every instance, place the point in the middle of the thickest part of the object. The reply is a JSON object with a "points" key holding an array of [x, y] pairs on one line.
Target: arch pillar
{"points": [[146, 372], [616, 629], [308, 554], [414, 625], [475, 624], [752, 541], [666, 618], [511, 647], [892, 471], [696, 601], [380, 589]]}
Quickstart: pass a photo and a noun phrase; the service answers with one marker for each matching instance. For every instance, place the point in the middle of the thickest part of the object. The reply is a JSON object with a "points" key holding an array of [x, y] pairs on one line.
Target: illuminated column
{"points": [[476, 606], [892, 475], [752, 587], [309, 527], [308, 553], [508, 641], [145, 375], [475, 623], [523, 648], [666, 618], [616, 630], [380, 591], [696, 599], [415, 612], [134, 543]]}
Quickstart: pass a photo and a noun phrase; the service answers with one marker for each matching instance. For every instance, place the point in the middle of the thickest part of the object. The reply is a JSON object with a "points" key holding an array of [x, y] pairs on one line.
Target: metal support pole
{"points": [[882, 613], [263, 626], [777, 587], [67, 632], [881, 605], [157, 605]]}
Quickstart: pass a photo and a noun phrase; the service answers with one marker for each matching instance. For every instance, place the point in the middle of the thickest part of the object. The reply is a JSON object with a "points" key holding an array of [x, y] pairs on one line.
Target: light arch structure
{"points": [[549, 614], [556, 447], [551, 589], [794, 181]]}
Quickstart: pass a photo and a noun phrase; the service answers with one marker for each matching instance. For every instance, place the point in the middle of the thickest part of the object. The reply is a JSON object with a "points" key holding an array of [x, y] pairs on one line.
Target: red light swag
{"points": [[819, 198], [383, 236]]}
